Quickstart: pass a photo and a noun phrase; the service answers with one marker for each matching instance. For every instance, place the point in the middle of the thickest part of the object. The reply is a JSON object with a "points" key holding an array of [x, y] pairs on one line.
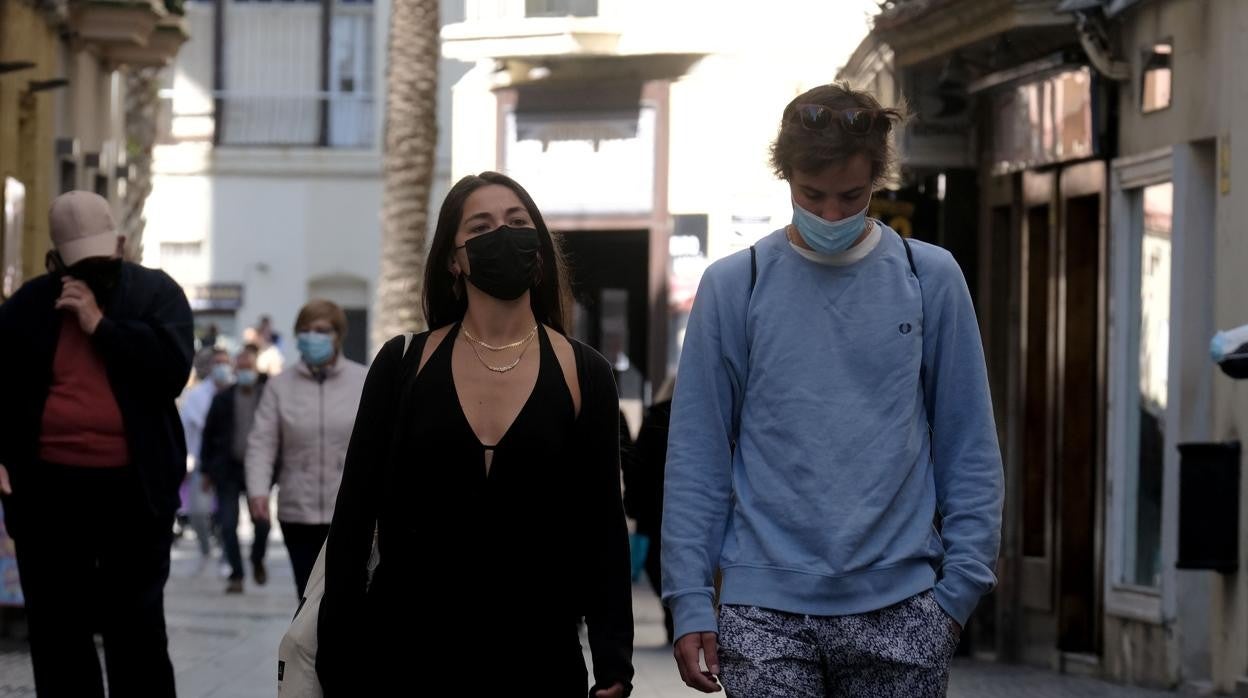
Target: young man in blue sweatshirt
{"points": [[832, 450]]}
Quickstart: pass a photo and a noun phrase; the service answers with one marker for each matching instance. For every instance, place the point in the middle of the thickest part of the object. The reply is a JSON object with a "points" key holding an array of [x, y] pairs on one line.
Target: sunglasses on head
{"points": [[817, 117]]}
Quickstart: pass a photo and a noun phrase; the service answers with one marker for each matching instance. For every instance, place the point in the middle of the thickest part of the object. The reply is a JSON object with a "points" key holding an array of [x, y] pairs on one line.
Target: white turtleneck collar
{"points": [[853, 255]]}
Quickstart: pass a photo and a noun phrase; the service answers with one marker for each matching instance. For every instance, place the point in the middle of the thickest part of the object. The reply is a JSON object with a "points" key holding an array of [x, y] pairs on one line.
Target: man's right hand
{"points": [[259, 508], [689, 652], [5, 486]]}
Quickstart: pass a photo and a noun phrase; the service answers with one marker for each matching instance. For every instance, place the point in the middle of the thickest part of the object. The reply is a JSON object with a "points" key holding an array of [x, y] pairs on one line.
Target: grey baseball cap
{"points": [[82, 226]]}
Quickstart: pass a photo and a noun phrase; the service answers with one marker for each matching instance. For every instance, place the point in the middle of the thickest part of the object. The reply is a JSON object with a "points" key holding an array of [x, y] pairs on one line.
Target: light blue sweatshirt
{"points": [[865, 412]]}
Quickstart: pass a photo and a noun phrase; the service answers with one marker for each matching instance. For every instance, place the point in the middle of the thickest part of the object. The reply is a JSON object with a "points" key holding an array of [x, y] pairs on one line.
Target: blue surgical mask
{"points": [[829, 237], [222, 375], [246, 377], [1228, 342], [316, 348]]}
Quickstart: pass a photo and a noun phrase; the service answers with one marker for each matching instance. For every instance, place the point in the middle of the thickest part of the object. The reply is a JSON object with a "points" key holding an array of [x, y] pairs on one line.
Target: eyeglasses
{"points": [[817, 117]]}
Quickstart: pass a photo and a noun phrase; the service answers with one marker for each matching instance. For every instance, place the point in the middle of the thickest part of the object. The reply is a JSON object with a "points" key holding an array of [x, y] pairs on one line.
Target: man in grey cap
{"points": [[92, 454]]}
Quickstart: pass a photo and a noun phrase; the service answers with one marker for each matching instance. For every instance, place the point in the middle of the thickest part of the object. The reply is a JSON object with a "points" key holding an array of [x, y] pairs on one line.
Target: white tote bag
{"points": [[296, 653]]}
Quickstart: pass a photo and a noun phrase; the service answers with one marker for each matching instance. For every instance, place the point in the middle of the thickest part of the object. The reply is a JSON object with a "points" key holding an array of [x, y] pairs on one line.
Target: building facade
{"points": [[63, 100], [1093, 141], [269, 175], [267, 186], [642, 130]]}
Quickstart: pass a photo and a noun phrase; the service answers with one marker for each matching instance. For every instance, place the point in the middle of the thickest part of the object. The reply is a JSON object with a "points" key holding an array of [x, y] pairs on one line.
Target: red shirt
{"points": [[82, 423]]}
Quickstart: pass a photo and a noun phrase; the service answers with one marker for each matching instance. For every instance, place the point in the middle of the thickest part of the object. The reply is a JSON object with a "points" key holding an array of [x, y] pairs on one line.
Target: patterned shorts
{"points": [[902, 650]]}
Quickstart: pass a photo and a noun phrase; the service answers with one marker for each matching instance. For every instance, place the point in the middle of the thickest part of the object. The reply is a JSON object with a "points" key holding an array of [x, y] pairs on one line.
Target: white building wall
{"points": [[275, 227], [723, 113], [726, 111], [284, 222], [271, 219], [1203, 632], [450, 74]]}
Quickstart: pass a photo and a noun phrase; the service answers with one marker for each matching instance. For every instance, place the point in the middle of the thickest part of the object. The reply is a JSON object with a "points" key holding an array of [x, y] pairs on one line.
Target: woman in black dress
{"points": [[486, 460]]}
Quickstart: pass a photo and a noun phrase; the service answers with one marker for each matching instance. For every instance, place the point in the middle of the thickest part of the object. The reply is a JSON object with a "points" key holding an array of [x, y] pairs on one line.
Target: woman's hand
{"points": [[615, 691], [259, 508]]}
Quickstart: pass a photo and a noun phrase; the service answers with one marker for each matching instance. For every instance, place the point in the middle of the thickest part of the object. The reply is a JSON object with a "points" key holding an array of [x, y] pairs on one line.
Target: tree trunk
{"points": [[142, 113], [411, 137]]}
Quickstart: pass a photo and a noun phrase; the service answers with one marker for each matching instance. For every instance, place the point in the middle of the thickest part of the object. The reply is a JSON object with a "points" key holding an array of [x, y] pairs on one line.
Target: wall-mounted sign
{"points": [[942, 135], [11, 234], [218, 297]]}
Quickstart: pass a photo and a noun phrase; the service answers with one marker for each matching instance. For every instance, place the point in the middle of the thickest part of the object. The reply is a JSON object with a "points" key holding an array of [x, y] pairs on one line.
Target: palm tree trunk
{"points": [[142, 113], [411, 137]]}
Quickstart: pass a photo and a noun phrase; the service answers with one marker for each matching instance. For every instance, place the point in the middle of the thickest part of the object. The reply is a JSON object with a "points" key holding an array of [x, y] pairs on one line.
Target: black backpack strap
{"points": [[738, 400], [915, 270], [909, 255], [754, 268]]}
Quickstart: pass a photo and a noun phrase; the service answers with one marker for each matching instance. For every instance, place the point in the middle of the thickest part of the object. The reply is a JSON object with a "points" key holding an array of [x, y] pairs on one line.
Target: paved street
{"points": [[225, 647]]}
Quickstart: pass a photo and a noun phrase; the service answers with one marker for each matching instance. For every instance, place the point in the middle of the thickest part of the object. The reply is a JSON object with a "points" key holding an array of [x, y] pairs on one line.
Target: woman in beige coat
{"points": [[304, 422]]}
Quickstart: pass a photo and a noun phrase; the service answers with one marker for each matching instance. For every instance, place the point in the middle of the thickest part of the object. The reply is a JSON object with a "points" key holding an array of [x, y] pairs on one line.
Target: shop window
{"points": [[1150, 334], [1155, 92]]}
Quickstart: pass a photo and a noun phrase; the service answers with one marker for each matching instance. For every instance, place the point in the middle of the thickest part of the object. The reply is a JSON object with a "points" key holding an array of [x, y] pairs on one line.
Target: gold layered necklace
{"points": [[504, 347], [473, 342]]}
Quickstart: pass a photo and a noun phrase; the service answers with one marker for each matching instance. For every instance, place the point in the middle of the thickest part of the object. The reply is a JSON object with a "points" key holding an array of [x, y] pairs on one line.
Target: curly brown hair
{"points": [[800, 149]]}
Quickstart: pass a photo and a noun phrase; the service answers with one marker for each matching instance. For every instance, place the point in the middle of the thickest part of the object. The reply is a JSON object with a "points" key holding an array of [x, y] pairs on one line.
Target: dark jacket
{"points": [[216, 456], [643, 474], [146, 343]]}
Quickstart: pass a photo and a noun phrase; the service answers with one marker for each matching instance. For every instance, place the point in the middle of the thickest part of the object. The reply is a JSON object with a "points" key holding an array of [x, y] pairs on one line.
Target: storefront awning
{"points": [[1109, 7]]}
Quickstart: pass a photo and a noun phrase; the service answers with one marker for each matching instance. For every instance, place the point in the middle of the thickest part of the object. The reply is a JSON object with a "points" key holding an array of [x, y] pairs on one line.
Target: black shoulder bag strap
{"points": [[409, 362], [915, 270]]}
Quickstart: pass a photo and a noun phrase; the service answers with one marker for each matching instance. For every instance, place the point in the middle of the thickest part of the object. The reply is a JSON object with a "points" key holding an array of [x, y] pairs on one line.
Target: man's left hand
{"points": [[77, 297], [615, 691]]}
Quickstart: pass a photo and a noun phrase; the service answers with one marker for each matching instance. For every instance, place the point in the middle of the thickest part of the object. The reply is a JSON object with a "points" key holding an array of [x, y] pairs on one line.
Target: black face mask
{"points": [[504, 261], [100, 274]]}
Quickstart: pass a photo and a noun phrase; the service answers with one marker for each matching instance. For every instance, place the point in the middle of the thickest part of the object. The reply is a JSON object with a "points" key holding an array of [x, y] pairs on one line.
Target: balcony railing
{"points": [[498, 10], [333, 120], [560, 8], [279, 79]]}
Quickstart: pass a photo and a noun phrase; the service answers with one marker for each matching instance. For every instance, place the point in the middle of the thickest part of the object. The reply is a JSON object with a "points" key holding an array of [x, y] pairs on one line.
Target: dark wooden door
{"points": [[1080, 407]]}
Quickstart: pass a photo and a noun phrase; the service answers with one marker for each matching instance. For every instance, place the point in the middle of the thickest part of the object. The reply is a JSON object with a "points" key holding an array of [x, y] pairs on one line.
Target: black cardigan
{"points": [[216, 456], [147, 342], [608, 611]]}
